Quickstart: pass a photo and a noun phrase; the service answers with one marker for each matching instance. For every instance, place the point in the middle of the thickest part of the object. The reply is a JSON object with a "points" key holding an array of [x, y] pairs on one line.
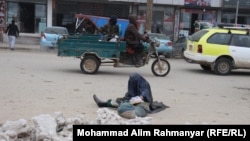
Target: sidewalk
{"points": [[20, 46], [23, 42]]}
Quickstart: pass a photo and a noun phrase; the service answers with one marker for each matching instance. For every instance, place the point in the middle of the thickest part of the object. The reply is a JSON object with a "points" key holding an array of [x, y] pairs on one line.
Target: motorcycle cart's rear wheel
{"points": [[160, 68], [89, 65]]}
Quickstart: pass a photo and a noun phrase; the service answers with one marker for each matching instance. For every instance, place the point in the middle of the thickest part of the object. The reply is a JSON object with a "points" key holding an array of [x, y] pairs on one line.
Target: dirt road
{"points": [[34, 83]]}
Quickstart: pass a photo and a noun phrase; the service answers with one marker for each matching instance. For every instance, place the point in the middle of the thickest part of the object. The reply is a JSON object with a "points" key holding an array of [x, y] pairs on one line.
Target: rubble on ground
{"points": [[58, 128]]}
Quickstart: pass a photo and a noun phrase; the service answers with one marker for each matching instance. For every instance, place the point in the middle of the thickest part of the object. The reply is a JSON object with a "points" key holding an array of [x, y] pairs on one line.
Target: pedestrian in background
{"points": [[12, 31]]}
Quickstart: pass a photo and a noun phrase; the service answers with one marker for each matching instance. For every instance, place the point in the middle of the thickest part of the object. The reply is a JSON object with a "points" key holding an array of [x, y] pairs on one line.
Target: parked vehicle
{"points": [[166, 45], [199, 25], [179, 46], [50, 36], [220, 49], [94, 52]]}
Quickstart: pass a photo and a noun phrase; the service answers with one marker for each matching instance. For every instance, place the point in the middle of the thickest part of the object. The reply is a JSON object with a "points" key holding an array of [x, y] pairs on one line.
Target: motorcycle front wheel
{"points": [[161, 67]]}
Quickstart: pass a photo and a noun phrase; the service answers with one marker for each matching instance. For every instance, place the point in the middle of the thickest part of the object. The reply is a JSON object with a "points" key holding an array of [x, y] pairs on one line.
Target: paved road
{"points": [[34, 82]]}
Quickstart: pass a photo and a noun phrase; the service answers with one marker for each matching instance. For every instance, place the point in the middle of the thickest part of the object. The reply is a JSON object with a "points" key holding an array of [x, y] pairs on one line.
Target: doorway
{"points": [[241, 20], [194, 17], [27, 17]]}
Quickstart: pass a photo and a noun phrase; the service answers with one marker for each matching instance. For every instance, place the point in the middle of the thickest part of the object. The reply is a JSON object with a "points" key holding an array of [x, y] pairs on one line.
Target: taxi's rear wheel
{"points": [[223, 66]]}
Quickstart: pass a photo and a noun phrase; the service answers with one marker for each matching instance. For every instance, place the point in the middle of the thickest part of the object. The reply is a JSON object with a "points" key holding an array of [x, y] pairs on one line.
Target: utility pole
{"points": [[237, 11], [149, 14]]}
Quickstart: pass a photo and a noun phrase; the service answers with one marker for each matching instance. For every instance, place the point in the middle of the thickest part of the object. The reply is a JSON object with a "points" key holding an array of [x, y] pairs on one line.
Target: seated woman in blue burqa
{"points": [[137, 102]]}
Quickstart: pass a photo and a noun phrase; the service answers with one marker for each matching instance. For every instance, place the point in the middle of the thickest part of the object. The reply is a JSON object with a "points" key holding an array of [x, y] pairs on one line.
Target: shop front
{"points": [[30, 15], [162, 19], [189, 17], [195, 11], [64, 11], [236, 14]]}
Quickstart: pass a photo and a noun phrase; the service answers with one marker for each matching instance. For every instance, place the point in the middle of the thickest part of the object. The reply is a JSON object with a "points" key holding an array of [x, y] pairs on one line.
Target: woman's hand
{"points": [[141, 97], [136, 100]]}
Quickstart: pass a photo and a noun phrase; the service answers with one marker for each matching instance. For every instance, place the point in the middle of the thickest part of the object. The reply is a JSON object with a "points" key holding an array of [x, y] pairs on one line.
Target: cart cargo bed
{"points": [[78, 45]]}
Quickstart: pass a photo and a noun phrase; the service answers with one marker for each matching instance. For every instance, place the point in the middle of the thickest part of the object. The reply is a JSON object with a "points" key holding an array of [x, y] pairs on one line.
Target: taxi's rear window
{"points": [[197, 35]]}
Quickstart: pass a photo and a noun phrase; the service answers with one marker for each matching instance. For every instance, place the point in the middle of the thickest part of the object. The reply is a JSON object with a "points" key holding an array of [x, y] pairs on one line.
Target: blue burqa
{"points": [[138, 86]]}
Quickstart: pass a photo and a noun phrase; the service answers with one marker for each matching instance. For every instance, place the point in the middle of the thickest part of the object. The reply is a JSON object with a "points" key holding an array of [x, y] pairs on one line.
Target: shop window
{"points": [[40, 17], [12, 11]]}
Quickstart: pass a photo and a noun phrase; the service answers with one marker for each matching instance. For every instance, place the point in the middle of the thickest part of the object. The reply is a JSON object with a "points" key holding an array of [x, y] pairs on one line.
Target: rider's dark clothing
{"points": [[132, 36], [133, 39]]}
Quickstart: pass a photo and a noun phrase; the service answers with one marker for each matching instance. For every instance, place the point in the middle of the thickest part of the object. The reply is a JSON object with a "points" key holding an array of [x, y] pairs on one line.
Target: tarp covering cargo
{"points": [[101, 21]]}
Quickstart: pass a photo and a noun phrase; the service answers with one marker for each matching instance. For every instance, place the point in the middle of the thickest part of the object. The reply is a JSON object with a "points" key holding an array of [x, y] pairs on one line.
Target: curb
{"points": [[17, 48], [5, 46]]}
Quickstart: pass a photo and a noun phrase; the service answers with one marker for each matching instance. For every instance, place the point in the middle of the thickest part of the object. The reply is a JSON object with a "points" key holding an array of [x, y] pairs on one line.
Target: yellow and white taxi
{"points": [[220, 49]]}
